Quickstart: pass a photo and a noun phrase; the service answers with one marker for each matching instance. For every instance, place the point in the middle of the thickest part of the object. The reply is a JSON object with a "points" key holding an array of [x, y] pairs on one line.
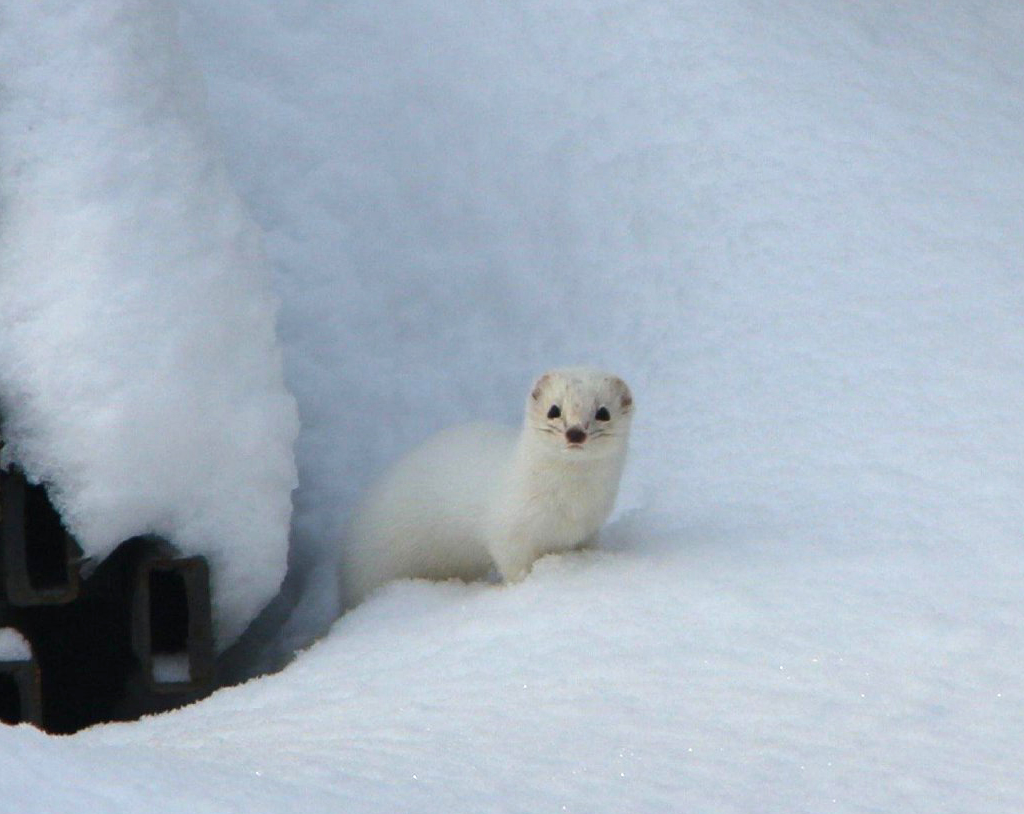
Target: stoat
{"points": [[482, 495]]}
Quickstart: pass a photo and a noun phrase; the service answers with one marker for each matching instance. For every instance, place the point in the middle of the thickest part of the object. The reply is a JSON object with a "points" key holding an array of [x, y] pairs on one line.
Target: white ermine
{"points": [[483, 495]]}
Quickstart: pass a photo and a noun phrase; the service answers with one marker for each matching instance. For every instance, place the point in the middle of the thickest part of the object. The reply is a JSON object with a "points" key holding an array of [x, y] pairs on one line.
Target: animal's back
{"points": [[424, 518]]}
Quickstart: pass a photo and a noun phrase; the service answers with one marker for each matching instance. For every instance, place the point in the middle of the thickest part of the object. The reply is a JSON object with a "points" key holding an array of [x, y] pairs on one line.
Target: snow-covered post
{"points": [[140, 375], [20, 698]]}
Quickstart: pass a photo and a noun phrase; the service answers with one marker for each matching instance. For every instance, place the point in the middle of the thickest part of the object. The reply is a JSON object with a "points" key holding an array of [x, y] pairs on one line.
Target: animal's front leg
{"points": [[512, 559]]}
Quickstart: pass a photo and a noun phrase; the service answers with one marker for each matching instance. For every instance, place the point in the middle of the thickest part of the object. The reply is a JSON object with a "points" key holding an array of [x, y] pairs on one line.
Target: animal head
{"points": [[580, 412]]}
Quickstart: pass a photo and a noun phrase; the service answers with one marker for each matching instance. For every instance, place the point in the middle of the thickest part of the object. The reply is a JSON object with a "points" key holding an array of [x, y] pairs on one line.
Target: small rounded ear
{"points": [[625, 396], [538, 387]]}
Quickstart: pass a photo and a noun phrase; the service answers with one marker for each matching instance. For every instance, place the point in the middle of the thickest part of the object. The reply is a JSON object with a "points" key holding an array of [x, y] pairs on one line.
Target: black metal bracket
{"points": [[20, 694], [136, 637], [39, 559], [172, 633]]}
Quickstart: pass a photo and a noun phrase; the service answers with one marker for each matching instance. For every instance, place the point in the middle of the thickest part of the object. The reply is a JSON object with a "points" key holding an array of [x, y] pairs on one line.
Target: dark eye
{"points": [[554, 412], [602, 414]]}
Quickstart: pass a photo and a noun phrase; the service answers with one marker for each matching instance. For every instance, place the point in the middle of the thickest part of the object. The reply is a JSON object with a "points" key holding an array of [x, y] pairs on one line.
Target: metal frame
{"points": [[25, 675], [19, 585], [198, 646]]}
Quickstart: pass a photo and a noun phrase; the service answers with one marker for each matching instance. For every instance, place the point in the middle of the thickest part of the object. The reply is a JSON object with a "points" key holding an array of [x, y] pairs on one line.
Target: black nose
{"points": [[575, 435]]}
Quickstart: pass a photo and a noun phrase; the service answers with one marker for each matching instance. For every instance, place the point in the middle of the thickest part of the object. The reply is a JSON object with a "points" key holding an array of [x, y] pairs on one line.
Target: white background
{"points": [[796, 230]]}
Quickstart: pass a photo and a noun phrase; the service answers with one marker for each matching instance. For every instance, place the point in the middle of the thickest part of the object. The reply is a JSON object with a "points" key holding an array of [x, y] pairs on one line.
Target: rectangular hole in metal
{"points": [[168, 611], [10, 700], [46, 546], [168, 626]]}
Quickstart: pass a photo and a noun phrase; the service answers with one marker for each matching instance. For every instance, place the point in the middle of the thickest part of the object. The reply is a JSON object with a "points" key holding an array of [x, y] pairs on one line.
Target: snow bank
{"points": [[797, 236], [715, 676], [139, 371], [14, 646]]}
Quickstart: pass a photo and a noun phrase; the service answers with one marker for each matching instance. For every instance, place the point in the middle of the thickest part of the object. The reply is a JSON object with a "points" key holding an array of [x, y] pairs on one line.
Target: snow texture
{"points": [[795, 229], [14, 646], [139, 369], [170, 669]]}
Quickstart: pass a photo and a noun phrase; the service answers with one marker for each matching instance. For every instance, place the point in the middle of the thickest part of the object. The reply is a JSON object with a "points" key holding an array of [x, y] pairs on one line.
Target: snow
{"points": [[171, 668], [14, 646], [653, 678], [796, 232], [139, 368]]}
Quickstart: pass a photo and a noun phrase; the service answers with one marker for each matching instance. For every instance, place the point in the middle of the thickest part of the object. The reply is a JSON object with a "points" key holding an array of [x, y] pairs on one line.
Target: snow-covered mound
{"points": [[710, 676], [139, 371], [796, 234], [796, 231]]}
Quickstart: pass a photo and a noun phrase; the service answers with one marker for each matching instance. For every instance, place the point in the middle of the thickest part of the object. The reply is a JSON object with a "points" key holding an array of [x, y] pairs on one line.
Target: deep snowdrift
{"points": [[719, 675], [796, 234], [139, 367], [798, 237]]}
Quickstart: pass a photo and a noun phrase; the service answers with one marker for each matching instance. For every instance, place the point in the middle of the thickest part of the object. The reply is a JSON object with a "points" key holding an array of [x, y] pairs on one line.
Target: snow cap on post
{"points": [[140, 374]]}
